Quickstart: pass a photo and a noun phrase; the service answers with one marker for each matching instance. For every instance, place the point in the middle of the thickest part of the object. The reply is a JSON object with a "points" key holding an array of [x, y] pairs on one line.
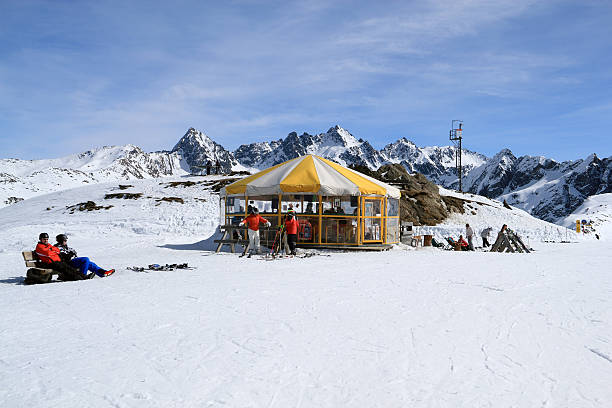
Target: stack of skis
{"points": [[509, 241]]}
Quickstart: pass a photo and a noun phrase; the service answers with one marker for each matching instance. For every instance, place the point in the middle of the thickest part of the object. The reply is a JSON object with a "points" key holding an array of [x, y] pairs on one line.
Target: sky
{"points": [[531, 76]]}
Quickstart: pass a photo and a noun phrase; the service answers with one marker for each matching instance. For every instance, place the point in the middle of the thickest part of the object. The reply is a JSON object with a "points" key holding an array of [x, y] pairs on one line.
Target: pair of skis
{"points": [[158, 267]]}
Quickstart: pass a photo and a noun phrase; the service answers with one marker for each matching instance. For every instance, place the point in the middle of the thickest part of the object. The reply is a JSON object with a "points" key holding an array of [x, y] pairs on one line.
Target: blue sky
{"points": [[533, 76]]}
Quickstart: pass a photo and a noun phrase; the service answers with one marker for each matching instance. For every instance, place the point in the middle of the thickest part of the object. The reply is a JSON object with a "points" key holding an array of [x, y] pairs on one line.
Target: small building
{"points": [[335, 206]]}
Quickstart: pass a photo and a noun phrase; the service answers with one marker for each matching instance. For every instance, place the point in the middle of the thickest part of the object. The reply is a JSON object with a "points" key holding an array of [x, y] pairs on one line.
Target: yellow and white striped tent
{"points": [[310, 175]]}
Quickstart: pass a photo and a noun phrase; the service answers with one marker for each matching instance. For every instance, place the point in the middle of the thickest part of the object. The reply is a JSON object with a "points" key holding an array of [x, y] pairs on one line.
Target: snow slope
{"points": [[20, 179], [482, 212], [597, 210], [417, 328]]}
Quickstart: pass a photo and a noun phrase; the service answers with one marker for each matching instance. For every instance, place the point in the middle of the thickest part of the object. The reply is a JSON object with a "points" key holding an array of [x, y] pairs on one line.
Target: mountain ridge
{"points": [[546, 188]]}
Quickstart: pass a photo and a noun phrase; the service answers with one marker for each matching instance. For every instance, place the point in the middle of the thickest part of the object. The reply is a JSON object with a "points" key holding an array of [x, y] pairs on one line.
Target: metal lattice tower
{"points": [[456, 135]]}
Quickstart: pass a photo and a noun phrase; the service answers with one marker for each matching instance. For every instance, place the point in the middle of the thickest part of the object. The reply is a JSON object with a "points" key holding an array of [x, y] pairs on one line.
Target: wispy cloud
{"points": [[246, 70]]}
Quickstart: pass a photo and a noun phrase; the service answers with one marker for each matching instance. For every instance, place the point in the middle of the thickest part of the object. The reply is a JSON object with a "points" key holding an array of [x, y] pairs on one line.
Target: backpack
{"points": [[37, 275]]}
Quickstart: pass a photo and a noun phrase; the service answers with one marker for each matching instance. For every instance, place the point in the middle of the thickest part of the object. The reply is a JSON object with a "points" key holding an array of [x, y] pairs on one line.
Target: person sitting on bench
{"points": [[49, 256], [83, 264], [463, 243]]}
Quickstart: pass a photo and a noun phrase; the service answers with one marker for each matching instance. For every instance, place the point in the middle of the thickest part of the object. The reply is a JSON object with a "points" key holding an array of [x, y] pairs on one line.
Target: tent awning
{"points": [[309, 175]]}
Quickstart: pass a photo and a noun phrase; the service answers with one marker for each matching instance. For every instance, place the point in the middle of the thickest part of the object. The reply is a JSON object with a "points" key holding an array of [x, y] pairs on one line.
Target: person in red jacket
{"points": [[291, 227], [463, 243], [49, 256], [252, 221]]}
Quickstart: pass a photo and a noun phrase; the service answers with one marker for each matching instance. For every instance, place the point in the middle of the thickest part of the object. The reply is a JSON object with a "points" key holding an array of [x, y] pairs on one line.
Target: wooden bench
{"points": [[37, 273], [228, 237]]}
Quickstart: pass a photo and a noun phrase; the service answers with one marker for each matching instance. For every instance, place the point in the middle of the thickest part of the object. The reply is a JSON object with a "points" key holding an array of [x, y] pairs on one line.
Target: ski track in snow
{"points": [[417, 328]]}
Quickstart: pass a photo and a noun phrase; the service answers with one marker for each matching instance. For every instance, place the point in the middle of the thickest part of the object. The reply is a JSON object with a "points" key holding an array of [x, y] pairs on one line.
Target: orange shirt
{"points": [[47, 253], [253, 220]]}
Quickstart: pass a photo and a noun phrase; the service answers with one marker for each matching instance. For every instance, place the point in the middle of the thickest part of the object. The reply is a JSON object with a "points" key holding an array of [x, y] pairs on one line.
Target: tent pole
{"points": [[359, 229], [223, 210], [320, 218], [384, 226], [279, 217]]}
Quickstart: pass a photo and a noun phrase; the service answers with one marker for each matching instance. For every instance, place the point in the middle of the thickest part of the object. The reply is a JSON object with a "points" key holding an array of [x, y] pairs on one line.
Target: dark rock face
{"points": [[197, 150], [251, 155], [420, 201]]}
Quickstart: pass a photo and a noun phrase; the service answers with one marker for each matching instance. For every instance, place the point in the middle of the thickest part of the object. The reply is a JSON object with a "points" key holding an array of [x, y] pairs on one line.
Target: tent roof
{"points": [[309, 175]]}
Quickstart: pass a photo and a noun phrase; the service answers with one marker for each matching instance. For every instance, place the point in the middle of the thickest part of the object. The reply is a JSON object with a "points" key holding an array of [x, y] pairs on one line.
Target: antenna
{"points": [[456, 135]]}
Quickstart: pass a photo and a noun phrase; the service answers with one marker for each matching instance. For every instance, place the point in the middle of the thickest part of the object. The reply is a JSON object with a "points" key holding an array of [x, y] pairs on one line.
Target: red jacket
{"points": [[47, 253], [253, 220], [291, 226], [462, 242]]}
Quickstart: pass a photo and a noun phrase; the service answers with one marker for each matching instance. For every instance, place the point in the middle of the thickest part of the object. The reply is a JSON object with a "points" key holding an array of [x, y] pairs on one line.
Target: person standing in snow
{"points": [[469, 233], [252, 221], [291, 227], [485, 236], [83, 263], [49, 256], [218, 167], [208, 166]]}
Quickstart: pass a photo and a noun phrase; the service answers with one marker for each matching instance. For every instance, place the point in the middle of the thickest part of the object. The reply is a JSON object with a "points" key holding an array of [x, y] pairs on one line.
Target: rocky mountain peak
{"points": [[193, 138], [197, 149], [341, 136]]}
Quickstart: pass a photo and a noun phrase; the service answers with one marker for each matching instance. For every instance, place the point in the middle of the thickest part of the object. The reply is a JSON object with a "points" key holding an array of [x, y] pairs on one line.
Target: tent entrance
{"points": [[372, 219]]}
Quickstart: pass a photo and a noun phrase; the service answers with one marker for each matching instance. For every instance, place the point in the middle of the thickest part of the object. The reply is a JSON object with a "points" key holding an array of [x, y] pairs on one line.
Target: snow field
{"points": [[418, 328]]}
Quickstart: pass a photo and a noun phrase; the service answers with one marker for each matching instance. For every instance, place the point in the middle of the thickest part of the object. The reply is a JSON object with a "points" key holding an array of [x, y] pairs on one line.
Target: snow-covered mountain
{"points": [[436, 163], [548, 189], [336, 144], [21, 179], [197, 149]]}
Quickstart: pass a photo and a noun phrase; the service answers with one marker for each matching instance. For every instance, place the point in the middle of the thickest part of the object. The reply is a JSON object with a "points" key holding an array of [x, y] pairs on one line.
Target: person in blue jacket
{"points": [[83, 263]]}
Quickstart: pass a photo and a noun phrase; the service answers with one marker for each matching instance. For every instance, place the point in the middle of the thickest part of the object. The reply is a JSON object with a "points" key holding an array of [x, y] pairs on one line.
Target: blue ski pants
{"points": [[83, 264]]}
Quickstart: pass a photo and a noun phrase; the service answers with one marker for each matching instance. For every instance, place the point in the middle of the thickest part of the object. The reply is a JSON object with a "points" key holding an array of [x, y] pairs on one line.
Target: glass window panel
{"points": [[372, 207], [377, 208], [310, 204], [368, 208], [392, 229], [290, 201], [308, 229], [392, 206], [345, 205], [339, 230], [372, 229], [235, 205], [265, 204]]}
